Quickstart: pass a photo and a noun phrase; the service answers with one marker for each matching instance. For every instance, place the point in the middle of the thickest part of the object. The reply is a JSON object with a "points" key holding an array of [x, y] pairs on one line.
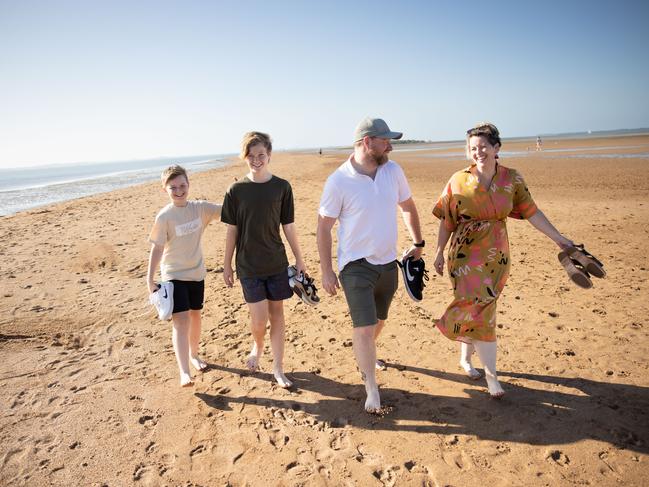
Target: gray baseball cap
{"points": [[374, 127]]}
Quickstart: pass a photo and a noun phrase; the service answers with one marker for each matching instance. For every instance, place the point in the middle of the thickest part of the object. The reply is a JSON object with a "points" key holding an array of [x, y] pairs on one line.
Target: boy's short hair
{"points": [[254, 138], [172, 172]]}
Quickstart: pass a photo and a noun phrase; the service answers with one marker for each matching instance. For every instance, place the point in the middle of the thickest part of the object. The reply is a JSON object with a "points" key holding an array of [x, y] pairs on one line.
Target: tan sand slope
{"points": [[89, 381]]}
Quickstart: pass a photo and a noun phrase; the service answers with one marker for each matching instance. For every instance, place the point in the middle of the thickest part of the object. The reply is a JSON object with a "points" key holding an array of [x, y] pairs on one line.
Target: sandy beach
{"points": [[89, 382]]}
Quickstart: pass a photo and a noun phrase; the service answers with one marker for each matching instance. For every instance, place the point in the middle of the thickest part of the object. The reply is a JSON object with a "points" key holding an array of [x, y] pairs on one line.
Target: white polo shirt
{"points": [[366, 210]]}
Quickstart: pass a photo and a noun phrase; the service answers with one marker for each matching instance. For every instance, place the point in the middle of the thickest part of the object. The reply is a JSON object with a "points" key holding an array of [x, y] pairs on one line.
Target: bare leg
{"points": [[194, 339], [466, 350], [380, 324], [487, 353], [277, 332], [365, 352], [180, 340], [258, 320]]}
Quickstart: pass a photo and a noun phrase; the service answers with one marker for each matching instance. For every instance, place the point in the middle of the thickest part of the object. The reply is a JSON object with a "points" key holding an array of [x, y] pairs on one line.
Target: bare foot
{"points": [[198, 363], [186, 380], [380, 365], [252, 362], [281, 379], [373, 401], [495, 389], [472, 373]]}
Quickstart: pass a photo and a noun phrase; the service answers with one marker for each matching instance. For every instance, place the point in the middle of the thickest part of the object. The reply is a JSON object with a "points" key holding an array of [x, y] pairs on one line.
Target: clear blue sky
{"points": [[111, 80]]}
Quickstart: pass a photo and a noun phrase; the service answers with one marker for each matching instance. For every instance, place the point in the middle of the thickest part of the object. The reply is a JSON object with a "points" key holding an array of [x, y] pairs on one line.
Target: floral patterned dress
{"points": [[478, 257]]}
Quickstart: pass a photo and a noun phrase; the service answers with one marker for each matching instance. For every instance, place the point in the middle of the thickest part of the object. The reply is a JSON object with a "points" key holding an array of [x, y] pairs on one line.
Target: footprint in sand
{"points": [[558, 457], [198, 450], [387, 476]]}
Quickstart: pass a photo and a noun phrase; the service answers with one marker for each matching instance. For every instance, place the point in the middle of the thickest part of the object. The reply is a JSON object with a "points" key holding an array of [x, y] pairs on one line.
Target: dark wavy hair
{"points": [[485, 129]]}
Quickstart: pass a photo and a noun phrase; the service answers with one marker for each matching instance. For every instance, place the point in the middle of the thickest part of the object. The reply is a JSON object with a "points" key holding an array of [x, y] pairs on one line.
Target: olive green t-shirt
{"points": [[257, 210]]}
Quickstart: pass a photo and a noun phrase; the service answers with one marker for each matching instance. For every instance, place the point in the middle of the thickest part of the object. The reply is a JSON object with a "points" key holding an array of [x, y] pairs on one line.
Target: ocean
{"points": [[26, 188]]}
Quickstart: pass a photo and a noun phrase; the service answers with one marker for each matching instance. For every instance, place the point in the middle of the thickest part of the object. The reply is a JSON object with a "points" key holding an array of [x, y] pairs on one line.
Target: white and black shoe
{"points": [[303, 287], [163, 300], [414, 275]]}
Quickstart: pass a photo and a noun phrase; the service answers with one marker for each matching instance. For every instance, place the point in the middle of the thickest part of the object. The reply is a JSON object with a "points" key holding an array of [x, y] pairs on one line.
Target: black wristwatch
{"points": [[420, 244]]}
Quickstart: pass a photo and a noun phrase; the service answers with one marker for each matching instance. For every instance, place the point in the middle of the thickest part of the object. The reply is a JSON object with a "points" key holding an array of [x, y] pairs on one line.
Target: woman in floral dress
{"points": [[472, 210]]}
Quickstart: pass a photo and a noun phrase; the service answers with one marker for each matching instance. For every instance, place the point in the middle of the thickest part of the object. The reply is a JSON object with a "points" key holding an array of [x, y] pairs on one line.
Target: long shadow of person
{"points": [[567, 410]]}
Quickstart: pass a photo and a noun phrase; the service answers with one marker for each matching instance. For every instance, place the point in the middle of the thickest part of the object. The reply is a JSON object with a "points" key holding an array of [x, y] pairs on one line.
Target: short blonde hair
{"points": [[254, 138], [173, 172]]}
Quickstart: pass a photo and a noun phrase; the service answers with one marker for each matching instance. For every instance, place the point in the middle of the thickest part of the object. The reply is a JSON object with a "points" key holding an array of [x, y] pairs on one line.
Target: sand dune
{"points": [[89, 381]]}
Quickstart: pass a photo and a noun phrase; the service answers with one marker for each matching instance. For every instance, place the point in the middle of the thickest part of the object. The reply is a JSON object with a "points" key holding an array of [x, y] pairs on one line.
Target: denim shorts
{"points": [[369, 289], [188, 295], [272, 288]]}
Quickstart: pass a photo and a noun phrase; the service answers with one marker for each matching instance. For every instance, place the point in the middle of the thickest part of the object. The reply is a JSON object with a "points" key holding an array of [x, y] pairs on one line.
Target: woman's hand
{"points": [[564, 242], [228, 275], [439, 263]]}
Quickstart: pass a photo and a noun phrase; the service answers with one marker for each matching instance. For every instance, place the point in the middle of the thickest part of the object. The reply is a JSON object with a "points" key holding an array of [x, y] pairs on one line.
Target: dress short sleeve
{"points": [[444, 208], [524, 206]]}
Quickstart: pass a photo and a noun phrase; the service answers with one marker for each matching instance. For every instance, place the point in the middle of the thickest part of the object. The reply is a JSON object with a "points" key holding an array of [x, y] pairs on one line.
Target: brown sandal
{"points": [[575, 270], [592, 265]]}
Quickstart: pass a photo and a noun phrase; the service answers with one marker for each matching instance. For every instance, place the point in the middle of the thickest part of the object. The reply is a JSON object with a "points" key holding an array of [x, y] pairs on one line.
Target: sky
{"points": [[104, 81]]}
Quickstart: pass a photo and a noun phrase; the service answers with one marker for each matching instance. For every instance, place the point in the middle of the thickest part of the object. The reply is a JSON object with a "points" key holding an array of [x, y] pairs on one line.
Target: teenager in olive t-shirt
{"points": [[254, 208]]}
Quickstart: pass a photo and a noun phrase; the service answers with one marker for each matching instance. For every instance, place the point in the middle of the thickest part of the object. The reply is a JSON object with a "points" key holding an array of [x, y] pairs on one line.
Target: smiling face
{"points": [[178, 190], [481, 150], [258, 159]]}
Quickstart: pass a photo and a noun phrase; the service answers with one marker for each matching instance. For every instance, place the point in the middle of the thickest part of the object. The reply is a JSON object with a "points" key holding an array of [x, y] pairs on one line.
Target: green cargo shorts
{"points": [[369, 290]]}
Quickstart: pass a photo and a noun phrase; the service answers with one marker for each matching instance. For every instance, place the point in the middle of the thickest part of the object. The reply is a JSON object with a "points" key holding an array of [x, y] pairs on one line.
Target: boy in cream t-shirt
{"points": [[176, 248]]}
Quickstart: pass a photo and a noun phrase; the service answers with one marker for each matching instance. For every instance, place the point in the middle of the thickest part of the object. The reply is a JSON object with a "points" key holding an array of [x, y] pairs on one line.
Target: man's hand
{"points": [[414, 252], [330, 282]]}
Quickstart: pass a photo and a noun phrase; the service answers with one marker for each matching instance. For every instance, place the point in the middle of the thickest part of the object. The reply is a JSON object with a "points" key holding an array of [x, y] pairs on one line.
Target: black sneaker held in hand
{"points": [[414, 274]]}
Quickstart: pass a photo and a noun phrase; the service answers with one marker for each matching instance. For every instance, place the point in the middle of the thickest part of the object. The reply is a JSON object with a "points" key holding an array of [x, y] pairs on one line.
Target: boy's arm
{"points": [[230, 242], [215, 211], [291, 237], [155, 256]]}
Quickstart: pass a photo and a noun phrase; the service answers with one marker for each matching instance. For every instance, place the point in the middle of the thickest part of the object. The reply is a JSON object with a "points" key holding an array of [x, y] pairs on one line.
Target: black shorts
{"points": [[188, 295], [272, 288]]}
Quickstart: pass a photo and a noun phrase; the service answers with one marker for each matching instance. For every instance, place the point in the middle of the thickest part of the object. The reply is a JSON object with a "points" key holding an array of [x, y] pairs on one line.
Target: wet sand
{"points": [[89, 383]]}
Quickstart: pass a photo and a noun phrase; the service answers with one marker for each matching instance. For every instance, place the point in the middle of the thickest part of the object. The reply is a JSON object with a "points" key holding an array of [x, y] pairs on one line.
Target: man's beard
{"points": [[380, 159]]}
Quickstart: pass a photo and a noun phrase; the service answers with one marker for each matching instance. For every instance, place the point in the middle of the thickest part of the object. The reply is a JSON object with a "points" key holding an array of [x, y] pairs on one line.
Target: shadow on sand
{"points": [[578, 409]]}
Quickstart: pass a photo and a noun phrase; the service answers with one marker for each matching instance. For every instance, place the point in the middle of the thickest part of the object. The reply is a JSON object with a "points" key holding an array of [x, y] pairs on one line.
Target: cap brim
{"points": [[390, 135]]}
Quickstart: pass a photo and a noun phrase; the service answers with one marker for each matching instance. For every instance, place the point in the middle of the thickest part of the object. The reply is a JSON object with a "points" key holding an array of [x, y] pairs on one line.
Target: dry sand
{"points": [[89, 383]]}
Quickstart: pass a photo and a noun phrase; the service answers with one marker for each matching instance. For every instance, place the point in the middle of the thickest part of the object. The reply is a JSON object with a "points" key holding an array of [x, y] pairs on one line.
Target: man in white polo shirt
{"points": [[363, 195]]}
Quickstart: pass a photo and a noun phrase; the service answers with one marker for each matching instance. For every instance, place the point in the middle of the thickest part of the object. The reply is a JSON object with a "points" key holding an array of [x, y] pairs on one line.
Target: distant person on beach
{"points": [[363, 195], [254, 208], [176, 248], [538, 143], [473, 209]]}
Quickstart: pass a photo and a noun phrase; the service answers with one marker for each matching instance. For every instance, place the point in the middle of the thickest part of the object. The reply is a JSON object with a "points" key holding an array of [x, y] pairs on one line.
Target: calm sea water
{"points": [[26, 188]]}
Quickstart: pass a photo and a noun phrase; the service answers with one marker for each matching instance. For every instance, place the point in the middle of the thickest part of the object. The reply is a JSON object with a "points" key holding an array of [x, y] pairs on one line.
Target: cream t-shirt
{"points": [[179, 229]]}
